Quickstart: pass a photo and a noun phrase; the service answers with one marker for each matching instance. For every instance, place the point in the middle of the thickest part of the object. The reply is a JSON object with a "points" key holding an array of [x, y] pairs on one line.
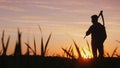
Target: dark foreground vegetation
{"points": [[19, 60], [56, 62]]}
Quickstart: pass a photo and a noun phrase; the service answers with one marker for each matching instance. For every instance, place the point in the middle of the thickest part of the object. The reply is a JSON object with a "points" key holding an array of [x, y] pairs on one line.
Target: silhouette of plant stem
{"points": [[77, 49], [118, 55], [18, 51], [44, 49], [88, 46], [35, 46], [46, 45], [114, 51], [3, 44], [30, 48], [42, 45], [108, 54], [69, 50], [68, 53], [84, 51]]}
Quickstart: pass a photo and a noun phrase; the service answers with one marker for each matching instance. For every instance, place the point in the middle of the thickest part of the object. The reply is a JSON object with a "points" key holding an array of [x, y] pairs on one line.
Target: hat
{"points": [[94, 17]]}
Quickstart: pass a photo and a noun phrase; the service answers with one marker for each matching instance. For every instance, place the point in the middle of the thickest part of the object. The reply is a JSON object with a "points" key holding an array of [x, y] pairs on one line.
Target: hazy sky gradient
{"points": [[64, 18]]}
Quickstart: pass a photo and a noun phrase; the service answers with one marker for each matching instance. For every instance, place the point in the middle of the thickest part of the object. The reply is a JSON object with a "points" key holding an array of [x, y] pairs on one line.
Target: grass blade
{"points": [[40, 29], [3, 44], [2, 39], [47, 42], [29, 47], [42, 45], [70, 48], [77, 48], [114, 51], [27, 52], [35, 46], [19, 42], [7, 42], [68, 53], [108, 54], [118, 55], [18, 51], [5, 50], [84, 51], [72, 52], [88, 46]]}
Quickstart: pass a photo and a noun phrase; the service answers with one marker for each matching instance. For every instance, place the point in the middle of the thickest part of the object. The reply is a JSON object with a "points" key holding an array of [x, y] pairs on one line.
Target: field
{"points": [[56, 62], [18, 60]]}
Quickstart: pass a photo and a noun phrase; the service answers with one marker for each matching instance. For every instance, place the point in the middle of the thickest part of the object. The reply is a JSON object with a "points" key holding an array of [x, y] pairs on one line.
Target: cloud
{"points": [[62, 9], [11, 8], [70, 6]]}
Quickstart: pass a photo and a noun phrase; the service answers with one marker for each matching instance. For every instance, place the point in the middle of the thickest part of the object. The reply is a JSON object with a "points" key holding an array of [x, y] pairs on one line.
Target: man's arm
{"points": [[88, 31]]}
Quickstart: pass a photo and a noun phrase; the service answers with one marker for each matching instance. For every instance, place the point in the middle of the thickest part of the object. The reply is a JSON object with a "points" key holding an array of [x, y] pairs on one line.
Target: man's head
{"points": [[94, 19]]}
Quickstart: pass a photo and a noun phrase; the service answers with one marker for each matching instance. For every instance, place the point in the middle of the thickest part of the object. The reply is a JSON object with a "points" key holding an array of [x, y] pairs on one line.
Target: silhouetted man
{"points": [[98, 36]]}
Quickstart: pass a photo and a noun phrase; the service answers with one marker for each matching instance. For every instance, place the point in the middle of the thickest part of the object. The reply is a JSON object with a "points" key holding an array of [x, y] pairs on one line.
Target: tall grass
{"points": [[44, 47], [4, 46], [78, 50], [27, 52], [35, 47], [83, 51], [88, 46], [114, 51], [68, 53], [28, 46], [113, 54], [17, 51]]}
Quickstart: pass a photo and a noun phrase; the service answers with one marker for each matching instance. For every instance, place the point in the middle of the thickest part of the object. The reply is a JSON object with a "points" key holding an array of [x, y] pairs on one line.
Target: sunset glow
{"points": [[66, 19], [86, 54]]}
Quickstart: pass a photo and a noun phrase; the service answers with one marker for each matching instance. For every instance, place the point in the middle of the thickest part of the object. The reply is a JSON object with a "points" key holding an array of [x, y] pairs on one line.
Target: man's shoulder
{"points": [[91, 26], [99, 23], [101, 26]]}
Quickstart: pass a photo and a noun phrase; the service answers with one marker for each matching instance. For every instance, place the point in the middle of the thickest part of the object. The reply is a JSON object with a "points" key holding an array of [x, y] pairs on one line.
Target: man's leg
{"points": [[101, 50], [94, 49]]}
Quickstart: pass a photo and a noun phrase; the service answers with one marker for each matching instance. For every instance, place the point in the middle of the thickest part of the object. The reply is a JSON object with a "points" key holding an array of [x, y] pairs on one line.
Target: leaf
{"points": [[114, 52], [7, 42], [68, 53], [5, 50], [88, 46], [108, 54], [3, 45], [42, 45], [84, 51], [77, 48], [29, 47], [47, 42], [35, 46]]}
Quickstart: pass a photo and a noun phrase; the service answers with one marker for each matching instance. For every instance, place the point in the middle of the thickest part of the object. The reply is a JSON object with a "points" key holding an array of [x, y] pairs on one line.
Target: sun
{"points": [[86, 54]]}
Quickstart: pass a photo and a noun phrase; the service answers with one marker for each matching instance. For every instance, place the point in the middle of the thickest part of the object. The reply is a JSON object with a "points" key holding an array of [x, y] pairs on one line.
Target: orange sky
{"points": [[64, 18]]}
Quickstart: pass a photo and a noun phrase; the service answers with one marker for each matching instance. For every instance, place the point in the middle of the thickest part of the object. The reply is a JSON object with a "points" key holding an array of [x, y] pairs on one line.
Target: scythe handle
{"points": [[101, 14]]}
